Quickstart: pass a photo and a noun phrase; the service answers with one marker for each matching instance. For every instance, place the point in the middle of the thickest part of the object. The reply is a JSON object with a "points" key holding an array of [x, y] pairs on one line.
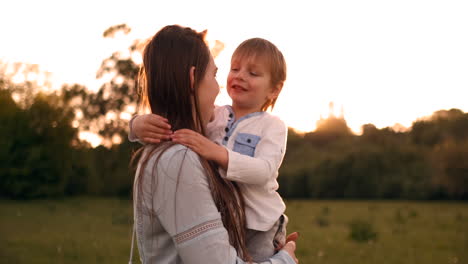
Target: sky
{"points": [[382, 62]]}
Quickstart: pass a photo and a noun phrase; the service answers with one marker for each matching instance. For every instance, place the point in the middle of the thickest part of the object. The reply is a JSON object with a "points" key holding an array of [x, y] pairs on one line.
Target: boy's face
{"points": [[249, 83]]}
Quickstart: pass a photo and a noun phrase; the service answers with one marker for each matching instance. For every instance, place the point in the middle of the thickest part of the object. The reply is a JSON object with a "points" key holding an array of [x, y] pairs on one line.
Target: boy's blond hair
{"points": [[258, 48]]}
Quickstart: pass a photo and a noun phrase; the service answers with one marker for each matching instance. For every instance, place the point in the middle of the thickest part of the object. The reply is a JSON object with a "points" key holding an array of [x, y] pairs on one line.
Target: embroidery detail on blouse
{"points": [[198, 230]]}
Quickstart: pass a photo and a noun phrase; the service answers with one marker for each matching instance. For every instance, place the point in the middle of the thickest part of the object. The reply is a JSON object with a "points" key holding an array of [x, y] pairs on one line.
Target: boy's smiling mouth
{"points": [[238, 88]]}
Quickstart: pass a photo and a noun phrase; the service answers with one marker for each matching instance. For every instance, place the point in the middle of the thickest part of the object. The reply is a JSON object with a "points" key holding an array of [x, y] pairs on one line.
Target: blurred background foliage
{"points": [[41, 154]]}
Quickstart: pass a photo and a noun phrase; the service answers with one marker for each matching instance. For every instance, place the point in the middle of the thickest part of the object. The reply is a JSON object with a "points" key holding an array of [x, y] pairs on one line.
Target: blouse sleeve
{"points": [[265, 163], [131, 136], [188, 213]]}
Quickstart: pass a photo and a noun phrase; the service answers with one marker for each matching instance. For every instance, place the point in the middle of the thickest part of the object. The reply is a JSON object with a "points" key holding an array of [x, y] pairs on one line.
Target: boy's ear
{"points": [[276, 90], [192, 77]]}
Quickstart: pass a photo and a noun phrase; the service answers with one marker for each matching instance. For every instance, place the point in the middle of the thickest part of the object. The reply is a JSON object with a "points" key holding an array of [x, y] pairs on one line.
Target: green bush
{"points": [[362, 231], [36, 147]]}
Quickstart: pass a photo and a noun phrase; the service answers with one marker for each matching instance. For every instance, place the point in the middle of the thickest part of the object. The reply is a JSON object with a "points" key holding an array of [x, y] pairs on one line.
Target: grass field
{"points": [[98, 230]]}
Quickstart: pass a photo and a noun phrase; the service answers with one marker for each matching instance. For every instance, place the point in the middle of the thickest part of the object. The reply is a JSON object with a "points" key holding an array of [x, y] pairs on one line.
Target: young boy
{"points": [[246, 142]]}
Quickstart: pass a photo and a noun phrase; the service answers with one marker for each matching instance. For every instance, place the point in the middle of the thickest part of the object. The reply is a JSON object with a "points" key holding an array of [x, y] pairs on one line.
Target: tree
{"points": [[36, 146], [441, 127], [24, 81], [451, 162], [106, 111]]}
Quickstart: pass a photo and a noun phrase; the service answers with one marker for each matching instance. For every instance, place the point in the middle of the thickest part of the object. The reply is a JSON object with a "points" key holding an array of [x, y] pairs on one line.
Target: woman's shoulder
{"points": [[219, 119], [178, 159], [221, 107], [221, 110], [177, 154]]}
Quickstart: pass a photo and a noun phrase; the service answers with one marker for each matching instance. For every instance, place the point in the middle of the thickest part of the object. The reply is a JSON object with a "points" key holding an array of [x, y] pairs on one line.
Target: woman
{"points": [[184, 211]]}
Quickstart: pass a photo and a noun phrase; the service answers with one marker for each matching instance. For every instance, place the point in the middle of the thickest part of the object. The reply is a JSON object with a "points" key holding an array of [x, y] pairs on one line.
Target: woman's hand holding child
{"points": [[290, 245]]}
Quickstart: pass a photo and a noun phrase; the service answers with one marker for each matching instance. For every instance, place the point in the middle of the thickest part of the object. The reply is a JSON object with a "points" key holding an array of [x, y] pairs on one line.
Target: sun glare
{"points": [[385, 63], [92, 138]]}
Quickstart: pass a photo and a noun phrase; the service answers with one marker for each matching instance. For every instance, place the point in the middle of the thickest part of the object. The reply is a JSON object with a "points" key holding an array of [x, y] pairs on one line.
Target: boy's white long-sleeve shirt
{"points": [[256, 144]]}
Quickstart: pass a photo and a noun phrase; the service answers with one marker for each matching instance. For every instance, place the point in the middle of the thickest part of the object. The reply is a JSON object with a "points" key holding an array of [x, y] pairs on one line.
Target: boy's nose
{"points": [[240, 75]]}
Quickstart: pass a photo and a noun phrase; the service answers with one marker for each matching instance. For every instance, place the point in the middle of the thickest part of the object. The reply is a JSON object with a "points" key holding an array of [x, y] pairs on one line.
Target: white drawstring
{"points": [[131, 248]]}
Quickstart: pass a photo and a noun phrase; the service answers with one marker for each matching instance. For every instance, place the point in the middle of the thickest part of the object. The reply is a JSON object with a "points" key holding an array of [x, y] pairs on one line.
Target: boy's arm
{"points": [[131, 135], [269, 154], [149, 128], [259, 169], [202, 146]]}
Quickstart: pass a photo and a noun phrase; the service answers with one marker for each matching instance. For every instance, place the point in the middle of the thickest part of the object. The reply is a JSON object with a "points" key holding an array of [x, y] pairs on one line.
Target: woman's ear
{"points": [[192, 77]]}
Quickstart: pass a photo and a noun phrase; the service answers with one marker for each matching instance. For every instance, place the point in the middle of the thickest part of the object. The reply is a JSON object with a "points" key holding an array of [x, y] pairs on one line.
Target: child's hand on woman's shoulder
{"points": [[202, 146], [151, 128]]}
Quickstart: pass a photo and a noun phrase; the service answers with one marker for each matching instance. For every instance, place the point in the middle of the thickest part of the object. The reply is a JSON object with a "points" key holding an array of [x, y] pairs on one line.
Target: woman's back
{"points": [[177, 220]]}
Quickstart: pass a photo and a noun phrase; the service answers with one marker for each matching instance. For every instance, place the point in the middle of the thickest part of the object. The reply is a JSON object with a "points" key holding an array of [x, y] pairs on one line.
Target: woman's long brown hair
{"points": [[166, 88]]}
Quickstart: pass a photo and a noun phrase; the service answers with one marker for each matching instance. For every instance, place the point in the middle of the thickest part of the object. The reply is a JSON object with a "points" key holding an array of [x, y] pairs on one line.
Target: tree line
{"points": [[429, 161], [42, 156]]}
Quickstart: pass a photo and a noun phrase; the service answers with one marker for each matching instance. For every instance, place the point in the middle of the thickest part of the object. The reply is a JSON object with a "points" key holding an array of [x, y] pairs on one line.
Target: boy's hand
{"points": [[201, 145], [151, 128]]}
